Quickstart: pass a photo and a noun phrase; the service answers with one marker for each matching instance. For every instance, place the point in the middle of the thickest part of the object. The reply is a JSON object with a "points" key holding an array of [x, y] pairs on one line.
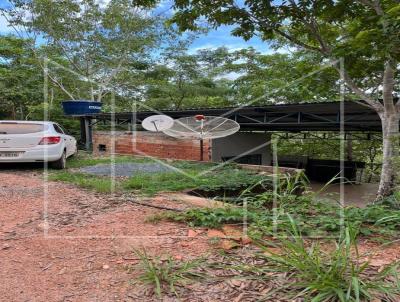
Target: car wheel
{"points": [[61, 163]]}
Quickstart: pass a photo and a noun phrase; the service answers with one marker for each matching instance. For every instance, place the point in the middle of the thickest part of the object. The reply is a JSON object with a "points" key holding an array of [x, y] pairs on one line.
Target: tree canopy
{"points": [[364, 34]]}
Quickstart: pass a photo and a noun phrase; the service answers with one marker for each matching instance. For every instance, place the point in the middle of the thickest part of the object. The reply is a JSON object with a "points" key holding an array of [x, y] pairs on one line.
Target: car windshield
{"points": [[21, 128]]}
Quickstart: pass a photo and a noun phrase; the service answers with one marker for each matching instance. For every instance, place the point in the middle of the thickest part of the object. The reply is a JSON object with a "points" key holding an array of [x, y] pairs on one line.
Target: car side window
{"points": [[58, 129]]}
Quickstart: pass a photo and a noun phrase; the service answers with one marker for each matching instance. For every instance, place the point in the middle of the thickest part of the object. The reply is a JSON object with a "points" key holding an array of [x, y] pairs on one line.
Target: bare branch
{"points": [[375, 5], [314, 29], [370, 102], [313, 26], [54, 80], [67, 56], [105, 83], [296, 41], [286, 35]]}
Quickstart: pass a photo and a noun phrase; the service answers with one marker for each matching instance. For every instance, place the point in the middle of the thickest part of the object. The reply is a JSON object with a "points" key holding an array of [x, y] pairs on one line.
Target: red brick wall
{"points": [[151, 144]]}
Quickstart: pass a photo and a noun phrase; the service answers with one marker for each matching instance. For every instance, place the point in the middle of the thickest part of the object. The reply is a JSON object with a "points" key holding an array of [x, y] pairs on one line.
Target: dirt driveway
{"points": [[88, 245], [83, 253]]}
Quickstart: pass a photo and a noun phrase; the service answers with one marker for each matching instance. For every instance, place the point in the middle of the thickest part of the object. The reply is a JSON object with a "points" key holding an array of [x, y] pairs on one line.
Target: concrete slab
{"points": [[359, 195]]}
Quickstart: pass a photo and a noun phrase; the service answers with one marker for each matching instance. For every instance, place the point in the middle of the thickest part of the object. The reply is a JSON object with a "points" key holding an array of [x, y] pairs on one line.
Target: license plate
{"points": [[9, 154]]}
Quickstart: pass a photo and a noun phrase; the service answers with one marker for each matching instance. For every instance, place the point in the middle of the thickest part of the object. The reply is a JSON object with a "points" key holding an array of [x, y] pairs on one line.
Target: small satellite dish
{"points": [[157, 123], [202, 127]]}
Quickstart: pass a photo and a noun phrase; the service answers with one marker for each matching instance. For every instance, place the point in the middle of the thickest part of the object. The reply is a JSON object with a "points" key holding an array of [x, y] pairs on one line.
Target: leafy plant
{"points": [[392, 201], [208, 217], [314, 218], [166, 275], [321, 275]]}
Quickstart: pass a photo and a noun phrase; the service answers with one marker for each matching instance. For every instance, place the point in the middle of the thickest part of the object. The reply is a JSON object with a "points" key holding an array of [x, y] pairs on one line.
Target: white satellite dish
{"points": [[157, 123], [202, 127]]}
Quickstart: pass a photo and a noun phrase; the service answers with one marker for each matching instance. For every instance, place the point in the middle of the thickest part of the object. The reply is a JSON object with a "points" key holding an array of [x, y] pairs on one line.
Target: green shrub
{"points": [[335, 275], [166, 275], [266, 214], [212, 218]]}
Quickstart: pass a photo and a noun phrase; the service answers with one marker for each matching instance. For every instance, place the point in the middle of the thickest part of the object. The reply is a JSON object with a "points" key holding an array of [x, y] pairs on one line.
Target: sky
{"points": [[213, 39], [216, 38]]}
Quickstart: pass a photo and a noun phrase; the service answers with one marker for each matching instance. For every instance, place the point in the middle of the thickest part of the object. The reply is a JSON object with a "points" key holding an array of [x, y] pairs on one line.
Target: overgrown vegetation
{"points": [[206, 178], [321, 274], [228, 180], [312, 271], [315, 218], [84, 159], [166, 275], [98, 184], [264, 212]]}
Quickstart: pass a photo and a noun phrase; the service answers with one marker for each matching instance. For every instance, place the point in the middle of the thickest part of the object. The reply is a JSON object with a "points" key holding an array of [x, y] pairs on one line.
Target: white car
{"points": [[23, 141]]}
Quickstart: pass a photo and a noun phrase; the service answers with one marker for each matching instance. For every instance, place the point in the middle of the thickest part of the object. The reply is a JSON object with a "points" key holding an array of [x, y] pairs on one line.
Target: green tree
{"points": [[364, 32], [91, 46], [185, 80], [20, 78], [262, 76]]}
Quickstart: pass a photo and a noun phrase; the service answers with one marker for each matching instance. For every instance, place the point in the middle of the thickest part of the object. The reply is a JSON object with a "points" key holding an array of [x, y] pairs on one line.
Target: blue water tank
{"points": [[81, 107]]}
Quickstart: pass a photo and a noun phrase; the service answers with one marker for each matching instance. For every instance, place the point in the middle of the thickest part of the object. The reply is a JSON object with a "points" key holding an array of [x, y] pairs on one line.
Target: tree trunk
{"points": [[390, 133]]}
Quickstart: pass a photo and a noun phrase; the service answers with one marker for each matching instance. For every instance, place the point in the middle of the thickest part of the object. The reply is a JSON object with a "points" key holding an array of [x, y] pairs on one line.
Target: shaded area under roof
{"points": [[325, 116]]}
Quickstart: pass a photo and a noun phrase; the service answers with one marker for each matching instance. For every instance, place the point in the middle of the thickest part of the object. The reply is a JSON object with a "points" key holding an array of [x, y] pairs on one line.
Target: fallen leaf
{"points": [[246, 240], [213, 233], [232, 232], [193, 233], [228, 244], [6, 246]]}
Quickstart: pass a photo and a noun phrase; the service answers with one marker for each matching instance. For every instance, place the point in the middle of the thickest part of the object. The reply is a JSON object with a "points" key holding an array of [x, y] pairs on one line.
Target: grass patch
{"points": [[222, 182], [150, 184], [99, 184], [314, 218], [84, 160], [293, 267], [166, 275], [207, 179], [315, 274]]}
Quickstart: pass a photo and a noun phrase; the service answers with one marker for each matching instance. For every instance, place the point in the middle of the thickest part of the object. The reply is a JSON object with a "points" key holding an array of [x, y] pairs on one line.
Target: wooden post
{"points": [[86, 133], [201, 149]]}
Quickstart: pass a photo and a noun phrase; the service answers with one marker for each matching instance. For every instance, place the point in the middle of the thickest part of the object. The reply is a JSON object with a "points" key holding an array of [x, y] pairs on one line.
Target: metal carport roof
{"points": [[323, 116]]}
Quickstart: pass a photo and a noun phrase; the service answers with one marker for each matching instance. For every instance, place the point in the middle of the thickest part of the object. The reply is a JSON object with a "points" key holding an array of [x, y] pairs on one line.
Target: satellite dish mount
{"points": [[200, 118]]}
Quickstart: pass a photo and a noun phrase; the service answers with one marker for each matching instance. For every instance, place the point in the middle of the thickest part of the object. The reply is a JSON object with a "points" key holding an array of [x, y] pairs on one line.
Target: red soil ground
{"points": [[88, 246]]}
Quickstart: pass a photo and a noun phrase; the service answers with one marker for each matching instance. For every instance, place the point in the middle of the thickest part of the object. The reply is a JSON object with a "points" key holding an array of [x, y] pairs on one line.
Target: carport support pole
{"points": [[201, 149], [86, 132]]}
